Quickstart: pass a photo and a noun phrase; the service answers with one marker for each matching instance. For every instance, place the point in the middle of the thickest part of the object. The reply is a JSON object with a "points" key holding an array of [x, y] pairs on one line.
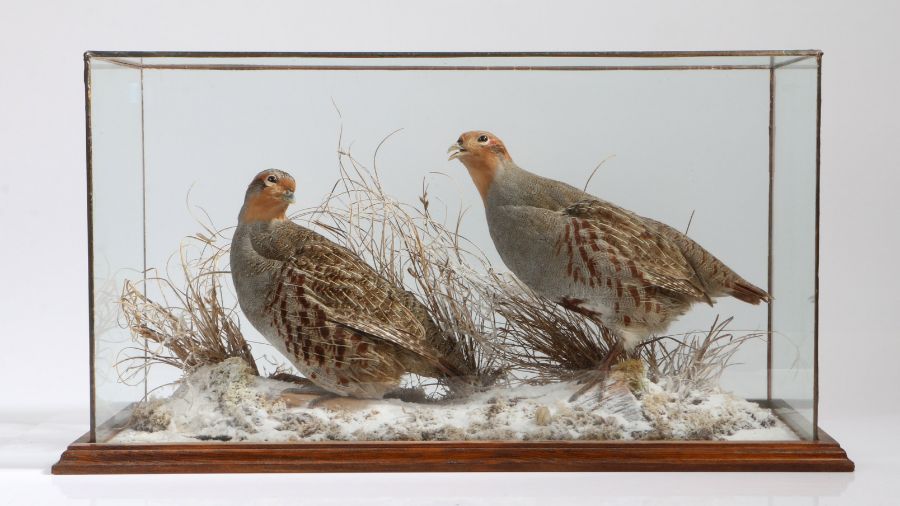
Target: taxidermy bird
{"points": [[341, 324], [630, 274]]}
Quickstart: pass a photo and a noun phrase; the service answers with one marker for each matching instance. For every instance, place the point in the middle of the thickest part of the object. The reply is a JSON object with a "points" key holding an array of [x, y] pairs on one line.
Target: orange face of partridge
{"points": [[268, 196], [483, 154]]}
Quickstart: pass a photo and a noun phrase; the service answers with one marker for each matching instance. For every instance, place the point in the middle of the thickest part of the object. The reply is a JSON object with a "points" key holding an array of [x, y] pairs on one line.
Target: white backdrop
{"points": [[43, 303]]}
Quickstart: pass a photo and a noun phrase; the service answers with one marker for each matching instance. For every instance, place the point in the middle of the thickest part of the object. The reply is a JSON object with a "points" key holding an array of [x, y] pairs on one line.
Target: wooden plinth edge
{"points": [[83, 457]]}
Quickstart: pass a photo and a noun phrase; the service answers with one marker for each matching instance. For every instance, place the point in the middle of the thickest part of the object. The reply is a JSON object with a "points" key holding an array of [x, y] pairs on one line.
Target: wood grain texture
{"points": [[83, 457]]}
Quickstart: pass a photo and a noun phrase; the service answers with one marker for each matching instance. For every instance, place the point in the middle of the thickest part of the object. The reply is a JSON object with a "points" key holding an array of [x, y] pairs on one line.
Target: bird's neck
{"points": [[263, 209], [484, 173]]}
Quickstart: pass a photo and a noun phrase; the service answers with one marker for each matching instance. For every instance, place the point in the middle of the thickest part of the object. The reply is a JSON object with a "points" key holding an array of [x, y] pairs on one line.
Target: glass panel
{"points": [[118, 242], [688, 147], [794, 244]]}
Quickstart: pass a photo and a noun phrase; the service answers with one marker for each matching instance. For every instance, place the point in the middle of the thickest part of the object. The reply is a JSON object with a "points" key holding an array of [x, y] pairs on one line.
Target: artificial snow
{"points": [[226, 402]]}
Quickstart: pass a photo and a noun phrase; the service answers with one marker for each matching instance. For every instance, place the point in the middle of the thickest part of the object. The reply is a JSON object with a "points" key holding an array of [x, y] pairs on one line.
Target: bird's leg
{"points": [[631, 370], [599, 375]]}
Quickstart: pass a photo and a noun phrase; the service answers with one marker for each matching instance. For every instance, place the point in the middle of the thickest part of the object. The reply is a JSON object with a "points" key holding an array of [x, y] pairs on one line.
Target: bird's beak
{"points": [[288, 196], [455, 151]]}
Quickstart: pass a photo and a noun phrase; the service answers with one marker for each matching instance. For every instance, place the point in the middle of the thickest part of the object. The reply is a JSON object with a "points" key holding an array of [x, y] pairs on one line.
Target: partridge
{"points": [[631, 274], [341, 324]]}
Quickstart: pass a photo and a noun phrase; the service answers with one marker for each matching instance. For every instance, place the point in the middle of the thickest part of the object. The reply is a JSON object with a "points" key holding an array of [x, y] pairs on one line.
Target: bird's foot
{"points": [[599, 376], [416, 395], [631, 372], [591, 379]]}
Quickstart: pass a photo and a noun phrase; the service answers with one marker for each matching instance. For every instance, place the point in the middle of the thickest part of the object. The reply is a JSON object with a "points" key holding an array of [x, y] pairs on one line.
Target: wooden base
{"points": [[83, 457]]}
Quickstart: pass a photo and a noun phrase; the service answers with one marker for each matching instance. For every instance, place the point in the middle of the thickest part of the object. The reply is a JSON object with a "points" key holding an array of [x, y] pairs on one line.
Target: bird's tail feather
{"points": [[742, 290]]}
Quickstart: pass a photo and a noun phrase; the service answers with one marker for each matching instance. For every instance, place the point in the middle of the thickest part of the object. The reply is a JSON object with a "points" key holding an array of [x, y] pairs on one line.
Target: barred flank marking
{"points": [[614, 260], [633, 268], [584, 254], [289, 337], [277, 296], [300, 282], [305, 344], [636, 295], [319, 316], [320, 355], [282, 309], [341, 345]]}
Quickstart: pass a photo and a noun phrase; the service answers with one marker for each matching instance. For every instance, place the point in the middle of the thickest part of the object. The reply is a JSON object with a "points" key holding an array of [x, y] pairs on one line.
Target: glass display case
{"points": [[615, 269]]}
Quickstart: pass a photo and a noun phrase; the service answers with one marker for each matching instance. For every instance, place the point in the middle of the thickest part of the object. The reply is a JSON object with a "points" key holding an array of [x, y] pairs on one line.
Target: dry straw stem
{"points": [[187, 326], [696, 360], [543, 341]]}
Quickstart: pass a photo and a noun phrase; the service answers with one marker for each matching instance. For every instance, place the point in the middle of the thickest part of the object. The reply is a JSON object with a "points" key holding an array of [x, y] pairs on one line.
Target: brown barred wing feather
{"points": [[620, 245], [348, 293]]}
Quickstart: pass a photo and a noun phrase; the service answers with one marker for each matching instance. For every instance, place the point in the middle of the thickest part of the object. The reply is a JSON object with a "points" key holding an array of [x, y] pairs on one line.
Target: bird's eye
{"points": [[272, 179], [482, 138]]}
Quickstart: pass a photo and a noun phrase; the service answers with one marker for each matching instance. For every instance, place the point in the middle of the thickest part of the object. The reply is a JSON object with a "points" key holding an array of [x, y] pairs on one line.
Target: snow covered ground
{"points": [[226, 402]]}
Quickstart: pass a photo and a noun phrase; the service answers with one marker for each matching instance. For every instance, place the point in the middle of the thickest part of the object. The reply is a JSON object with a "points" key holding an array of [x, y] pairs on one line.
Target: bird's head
{"points": [[483, 154], [268, 196]]}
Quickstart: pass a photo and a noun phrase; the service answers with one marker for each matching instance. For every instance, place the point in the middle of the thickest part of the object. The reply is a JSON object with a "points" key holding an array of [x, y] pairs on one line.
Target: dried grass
{"points": [[695, 360], [543, 341], [186, 326]]}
